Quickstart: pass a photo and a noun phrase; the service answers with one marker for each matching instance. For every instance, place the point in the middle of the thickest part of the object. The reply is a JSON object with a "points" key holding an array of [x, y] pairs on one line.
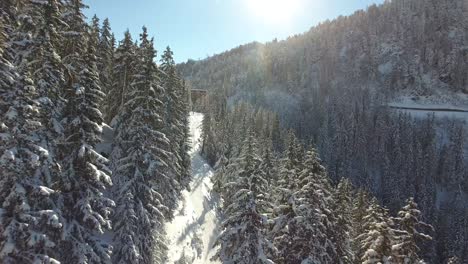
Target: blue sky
{"points": [[200, 28]]}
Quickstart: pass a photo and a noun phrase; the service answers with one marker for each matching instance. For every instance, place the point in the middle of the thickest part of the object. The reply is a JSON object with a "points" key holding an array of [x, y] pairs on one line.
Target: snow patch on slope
{"points": [[195, 226]]}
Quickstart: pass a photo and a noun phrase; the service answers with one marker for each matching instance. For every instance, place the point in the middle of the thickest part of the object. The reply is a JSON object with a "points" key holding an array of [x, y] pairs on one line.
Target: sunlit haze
{"points": [[200, 28], [274, 12]]}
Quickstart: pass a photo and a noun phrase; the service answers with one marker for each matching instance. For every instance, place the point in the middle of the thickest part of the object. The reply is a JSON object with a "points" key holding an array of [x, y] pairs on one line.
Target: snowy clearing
{"points": [[194, 228]]}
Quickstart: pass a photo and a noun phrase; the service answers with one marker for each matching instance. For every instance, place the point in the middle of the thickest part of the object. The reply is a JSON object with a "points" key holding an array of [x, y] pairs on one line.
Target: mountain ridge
{"points": [[401, 48]]}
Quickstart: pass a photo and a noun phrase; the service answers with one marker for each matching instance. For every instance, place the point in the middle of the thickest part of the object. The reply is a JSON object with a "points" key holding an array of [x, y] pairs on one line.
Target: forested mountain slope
{"points": [[402, 47], [331, 85]]}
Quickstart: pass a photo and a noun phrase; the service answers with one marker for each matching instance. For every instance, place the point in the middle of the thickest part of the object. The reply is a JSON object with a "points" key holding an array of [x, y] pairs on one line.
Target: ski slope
{"points": [[195, 227]]}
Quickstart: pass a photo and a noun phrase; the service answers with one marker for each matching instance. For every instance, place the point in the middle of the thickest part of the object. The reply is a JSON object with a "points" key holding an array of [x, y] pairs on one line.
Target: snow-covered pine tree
{"points": [[342, 208], [72, 30], [269, 170], [28, 226], [268, 164], [94, 29], [219, 176], [49, 76], [243, 240], [359, 212], [408, 221], [284, 195], [453, 260], [125, 62], [209, 142], [143, 189], [105, 54], [379, 237], [184, 143], [85, 174], [276, 135], [174, 113], [309, 237]]}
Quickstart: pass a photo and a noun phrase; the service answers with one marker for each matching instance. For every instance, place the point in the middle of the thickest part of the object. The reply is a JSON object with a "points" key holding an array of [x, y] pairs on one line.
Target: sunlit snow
{"points": [[194, 228]]}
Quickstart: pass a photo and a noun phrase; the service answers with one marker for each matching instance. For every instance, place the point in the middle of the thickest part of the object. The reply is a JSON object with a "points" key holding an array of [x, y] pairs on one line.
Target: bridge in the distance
{"points": [[198, 99]]}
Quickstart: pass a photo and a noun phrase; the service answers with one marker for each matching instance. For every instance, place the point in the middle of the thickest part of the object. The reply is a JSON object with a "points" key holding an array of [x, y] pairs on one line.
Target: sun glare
{"points": [[273, 11]]}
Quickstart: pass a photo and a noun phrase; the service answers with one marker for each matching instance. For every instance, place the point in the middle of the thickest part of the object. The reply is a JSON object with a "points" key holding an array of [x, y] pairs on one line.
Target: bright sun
{"points": [[274, 11]]}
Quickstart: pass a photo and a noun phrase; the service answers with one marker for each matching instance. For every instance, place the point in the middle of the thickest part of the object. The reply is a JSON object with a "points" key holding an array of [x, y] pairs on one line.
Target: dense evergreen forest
{"points": [[284, 208], [63, 197], [332, 85], [311, 165]]}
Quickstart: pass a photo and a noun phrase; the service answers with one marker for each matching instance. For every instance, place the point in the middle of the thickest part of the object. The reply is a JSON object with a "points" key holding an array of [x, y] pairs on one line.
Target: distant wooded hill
{"points": [[403, 47]]}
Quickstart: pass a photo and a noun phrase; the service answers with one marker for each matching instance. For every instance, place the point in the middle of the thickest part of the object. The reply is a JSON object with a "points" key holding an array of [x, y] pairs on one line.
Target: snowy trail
{"points": [[194, 228]]}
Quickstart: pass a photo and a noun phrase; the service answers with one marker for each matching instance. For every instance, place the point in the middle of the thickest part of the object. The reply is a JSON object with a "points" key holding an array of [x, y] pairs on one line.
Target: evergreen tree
{"points": [[286, 185], [242, 240], [105, 54], [276, 135], [123, 72], [28, 226], [143, 188], [95, 29], [342, 208], [209, 142], [29, 222], [184, 141], [408, 221], [308, 238], [49, 76], [453, 260], [85, 175], [174, 113], [359, 212], [74, 30], [379, 237]]}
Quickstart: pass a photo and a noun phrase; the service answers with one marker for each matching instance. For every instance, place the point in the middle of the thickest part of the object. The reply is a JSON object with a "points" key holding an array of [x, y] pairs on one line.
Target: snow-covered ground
{"points": [[195, 226]]}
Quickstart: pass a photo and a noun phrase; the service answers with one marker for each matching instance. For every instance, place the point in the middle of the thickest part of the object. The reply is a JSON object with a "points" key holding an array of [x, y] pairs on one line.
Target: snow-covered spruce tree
{"points": [[408, 221], [184, 143], [284, 196], [72, 30], [50, 80], [453, 260], [29, 225], [342, 208], [309, 237], [94, 29], [268, 164], [209, 142], [142, 189], [269, 170], [125, 62], [85, 176], [219, 176], [243, 240], [174, 113], [105, 54], [276, 135], [379, 237], [359, 212]]}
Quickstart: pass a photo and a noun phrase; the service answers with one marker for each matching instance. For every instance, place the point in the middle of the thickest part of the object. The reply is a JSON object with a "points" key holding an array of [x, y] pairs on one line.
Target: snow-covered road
{"points": [[194, 228]]}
